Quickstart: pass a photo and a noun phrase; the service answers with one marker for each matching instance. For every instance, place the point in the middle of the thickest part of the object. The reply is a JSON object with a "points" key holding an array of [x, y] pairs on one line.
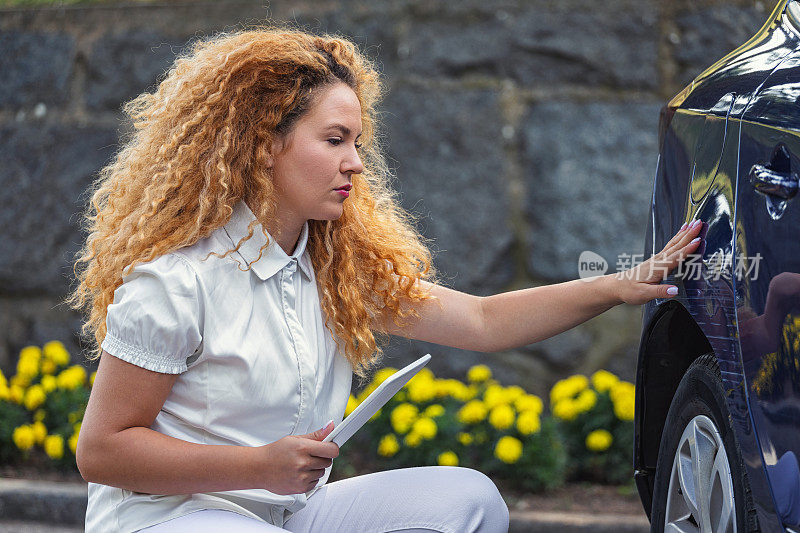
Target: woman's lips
{"points": [[343, 192]]}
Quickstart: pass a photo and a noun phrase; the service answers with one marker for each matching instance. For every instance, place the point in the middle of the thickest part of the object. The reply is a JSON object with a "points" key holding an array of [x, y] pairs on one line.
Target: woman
{"points": [[250, 200]]}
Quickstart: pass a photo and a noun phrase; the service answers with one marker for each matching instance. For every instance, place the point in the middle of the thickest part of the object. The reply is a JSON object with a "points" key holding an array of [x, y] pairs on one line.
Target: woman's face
{"points": [[316, 157]]}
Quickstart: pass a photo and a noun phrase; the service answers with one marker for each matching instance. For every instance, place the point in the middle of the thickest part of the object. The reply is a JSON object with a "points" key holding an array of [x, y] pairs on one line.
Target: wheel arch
{"points": [[671, 341]]}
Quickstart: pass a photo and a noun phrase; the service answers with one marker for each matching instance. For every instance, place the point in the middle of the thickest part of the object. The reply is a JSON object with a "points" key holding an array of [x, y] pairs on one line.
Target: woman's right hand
{"points": [[295, 463]]}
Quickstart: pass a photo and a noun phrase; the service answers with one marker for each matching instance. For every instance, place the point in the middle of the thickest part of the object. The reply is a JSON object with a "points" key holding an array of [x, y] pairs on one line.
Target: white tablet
{"points": [[382, 394]]}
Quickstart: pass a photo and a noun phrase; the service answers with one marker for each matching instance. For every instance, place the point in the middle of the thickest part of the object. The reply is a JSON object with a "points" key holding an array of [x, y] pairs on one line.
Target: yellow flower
{"points": [[421, 390], [599, 440], [494, 396], [91, 378], [39, 432], [24, 437], [472, 412], [529, 402], [425, 427], [20, 380], [442, 387], [623, 389], [56, 352], [423, 375], [508, 449], [39, 415], [464, 438], [585, 401], [383, 374], [5, 393], [16, 393], [479, 373], [568, 388], [603, 380], [352, 403], [502, 416], [412, 440], [3, 381], [48, 367], [624, 408], [73, 443], [565, 409], [528, 422], [434, 410], [447, 458], [54, 446], [454, 388], [31, 352], [76, 427], [514, 392], [472, 391], [388, 446], [34, 397], [49, 383], [72, 377], [28, 366], [403, 416]]}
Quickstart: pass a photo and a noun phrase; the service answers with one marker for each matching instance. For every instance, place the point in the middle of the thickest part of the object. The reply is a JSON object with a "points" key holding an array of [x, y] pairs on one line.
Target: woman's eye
{"points": [[335, 141], [358, 146]]}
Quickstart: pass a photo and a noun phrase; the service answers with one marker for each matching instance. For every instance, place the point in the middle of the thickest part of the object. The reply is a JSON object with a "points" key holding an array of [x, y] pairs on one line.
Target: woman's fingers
{"points": [[683, 237], [665, 262], [679, 255]]}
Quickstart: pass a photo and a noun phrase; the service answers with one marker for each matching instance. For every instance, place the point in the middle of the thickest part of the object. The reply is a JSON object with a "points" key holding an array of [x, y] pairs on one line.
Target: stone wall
{"points": [[521, 132]]}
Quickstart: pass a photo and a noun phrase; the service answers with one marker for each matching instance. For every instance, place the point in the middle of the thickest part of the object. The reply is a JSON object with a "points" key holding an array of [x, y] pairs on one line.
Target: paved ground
{"points": [[46, 506]]}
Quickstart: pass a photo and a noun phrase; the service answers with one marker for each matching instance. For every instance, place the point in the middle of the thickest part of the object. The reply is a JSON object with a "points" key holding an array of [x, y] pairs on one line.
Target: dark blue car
{"points": [[717, 425]]}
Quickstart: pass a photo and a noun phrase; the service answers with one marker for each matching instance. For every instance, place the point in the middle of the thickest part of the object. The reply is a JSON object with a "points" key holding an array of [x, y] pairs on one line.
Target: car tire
{"points": [[698, 414]]}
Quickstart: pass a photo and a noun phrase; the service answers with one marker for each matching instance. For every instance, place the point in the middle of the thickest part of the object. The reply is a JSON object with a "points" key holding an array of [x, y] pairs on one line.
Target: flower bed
{"points": [[502, 431], [585, 434]]}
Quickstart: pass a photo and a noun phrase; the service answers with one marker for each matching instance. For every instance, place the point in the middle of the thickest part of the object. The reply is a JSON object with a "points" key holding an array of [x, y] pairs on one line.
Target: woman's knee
{"points": [[485, 509]]}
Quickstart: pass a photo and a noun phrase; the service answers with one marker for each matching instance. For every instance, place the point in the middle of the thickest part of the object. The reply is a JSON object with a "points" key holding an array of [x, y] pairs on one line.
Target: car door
{"points": [[767, 273]]}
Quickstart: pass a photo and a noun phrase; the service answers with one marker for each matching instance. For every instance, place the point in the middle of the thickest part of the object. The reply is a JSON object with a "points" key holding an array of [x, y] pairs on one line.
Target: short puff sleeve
{"points": [[155, 319]]}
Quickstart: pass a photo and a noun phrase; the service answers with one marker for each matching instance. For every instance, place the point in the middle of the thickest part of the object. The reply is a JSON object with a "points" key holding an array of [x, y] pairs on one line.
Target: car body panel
{"points": [[697, 176], [768, 282]]}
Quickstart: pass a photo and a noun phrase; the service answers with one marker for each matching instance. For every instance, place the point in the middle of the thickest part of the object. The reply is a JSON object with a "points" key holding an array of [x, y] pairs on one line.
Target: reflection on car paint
{"points": [[730, 119]]}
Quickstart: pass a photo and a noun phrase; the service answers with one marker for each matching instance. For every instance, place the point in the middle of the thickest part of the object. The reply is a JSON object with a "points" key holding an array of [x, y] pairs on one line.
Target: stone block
{"points": [[589, 172], [447, 148], [36, 67], [45, 173]]}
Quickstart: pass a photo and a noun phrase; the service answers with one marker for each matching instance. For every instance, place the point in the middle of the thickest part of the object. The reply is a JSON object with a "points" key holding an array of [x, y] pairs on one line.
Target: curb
{"points": [[546, 521], [60, 503]]}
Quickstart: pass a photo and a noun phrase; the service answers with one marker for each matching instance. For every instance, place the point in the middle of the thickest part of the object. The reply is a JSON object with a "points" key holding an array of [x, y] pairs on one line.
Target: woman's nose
{"points": [[353, 164]]}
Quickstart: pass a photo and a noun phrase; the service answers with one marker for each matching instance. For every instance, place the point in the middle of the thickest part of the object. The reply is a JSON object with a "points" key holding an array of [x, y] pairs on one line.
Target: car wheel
{"points": [[701, 483]]}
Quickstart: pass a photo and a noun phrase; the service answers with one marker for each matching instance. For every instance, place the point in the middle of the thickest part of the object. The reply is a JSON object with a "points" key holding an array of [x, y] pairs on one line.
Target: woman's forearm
{"points": [[517, 318], [143, 460]]}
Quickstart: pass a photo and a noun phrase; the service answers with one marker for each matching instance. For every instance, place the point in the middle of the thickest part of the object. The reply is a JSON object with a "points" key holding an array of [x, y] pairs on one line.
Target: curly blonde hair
{"points": [[199, 145]]}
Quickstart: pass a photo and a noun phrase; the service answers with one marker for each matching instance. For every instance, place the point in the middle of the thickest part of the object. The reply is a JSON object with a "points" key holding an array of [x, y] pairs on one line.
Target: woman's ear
{"points": [[275, 148]]}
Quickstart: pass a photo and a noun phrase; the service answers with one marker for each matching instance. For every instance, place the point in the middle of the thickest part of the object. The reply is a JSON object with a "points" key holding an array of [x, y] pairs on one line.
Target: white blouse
{"points": [[255, 359]]}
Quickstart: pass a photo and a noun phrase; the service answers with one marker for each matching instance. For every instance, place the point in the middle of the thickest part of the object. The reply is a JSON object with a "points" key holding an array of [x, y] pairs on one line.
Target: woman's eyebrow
{"points": [[344, 129]]}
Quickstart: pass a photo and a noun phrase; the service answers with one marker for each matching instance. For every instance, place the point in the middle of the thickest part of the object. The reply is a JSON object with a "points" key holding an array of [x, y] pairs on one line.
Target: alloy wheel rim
{"points": [[700, 495]]}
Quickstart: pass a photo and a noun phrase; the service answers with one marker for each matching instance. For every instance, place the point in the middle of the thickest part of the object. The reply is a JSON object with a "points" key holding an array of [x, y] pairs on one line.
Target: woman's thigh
{"points": [[429, 498], [211, 521]]}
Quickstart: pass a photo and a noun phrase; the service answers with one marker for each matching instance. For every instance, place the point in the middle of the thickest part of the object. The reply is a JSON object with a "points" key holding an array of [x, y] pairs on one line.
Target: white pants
{"points": [[421, 499]]}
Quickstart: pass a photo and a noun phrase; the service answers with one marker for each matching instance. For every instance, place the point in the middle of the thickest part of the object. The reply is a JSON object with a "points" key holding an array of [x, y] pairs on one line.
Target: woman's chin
{"points": [[332, 214]]}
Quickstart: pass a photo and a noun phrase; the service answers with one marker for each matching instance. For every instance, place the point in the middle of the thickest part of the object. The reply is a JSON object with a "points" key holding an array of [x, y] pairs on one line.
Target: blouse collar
{"points": [[274, 258]]}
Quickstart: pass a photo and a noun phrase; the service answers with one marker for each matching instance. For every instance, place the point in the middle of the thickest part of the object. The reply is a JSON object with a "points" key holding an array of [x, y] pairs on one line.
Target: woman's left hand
{"points": [[641, 283]]}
